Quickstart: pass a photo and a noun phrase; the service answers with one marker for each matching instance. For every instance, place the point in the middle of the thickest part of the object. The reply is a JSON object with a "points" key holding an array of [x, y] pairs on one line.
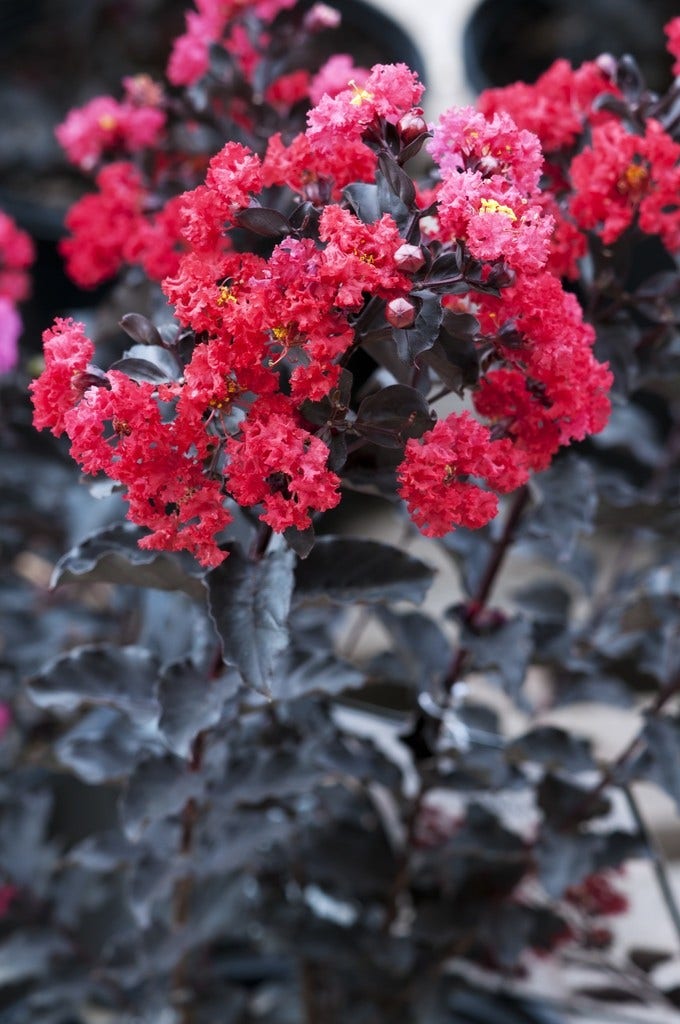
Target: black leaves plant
{"points": [[333, 778]]}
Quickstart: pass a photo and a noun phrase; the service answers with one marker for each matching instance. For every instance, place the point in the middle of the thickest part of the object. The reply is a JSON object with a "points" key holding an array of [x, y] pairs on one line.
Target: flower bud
{"points": [[320, 17], [608, 65], [142, 91], [400, 313], [409, 258], [411, 125]]}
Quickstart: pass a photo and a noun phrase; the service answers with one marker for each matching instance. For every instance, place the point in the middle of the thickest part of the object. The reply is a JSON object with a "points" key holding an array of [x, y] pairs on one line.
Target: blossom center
{"points": [[122, 428], [232, 389], [365, 257], [634, 180], [226, 295], [107, 122], [359, 94], [493, 206]]}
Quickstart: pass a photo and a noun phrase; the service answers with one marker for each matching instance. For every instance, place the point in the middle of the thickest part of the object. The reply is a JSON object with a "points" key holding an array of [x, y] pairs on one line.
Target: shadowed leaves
{"points": [[249, 603], [348, 569]]}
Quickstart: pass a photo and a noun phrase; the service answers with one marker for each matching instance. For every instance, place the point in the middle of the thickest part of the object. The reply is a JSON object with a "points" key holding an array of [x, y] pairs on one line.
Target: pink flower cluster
{"points": [[542, 387], [105, 125], [16, 256], [147, 149], [211, 23], [602, 174]]}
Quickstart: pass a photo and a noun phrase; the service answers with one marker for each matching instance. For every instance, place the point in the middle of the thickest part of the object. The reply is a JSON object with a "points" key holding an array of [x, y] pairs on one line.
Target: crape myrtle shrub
{"points": [[194, 828]]}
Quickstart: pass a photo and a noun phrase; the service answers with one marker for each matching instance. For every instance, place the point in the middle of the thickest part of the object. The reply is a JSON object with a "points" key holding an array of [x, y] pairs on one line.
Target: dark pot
{"points": [[511, 40]]}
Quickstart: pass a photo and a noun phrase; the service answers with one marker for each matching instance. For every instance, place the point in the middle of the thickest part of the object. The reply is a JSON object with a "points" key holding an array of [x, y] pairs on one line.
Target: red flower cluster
{"points": [[542, 387], [435, 475], [118, 225], [603, 174], [623, 177], [274, 328], [556, 107], [549, 389], [388, 93], [148, 148], [67, 352], [280, 465]]}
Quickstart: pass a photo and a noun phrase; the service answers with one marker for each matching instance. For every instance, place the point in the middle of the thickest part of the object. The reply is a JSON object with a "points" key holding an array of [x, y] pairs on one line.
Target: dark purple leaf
{"points": [[503, 653], [103, 746], [141, 371], [447, 264], [673, 995], [149, 363], [414, 147], [103, 675], [304, 672], [346, 570], [554, 748], [29, 954], [422, 651], [249, 603], [629, 78], [190, 702], [27, 854], [364, 201], [564, 505], [264, 222], [609, 994], [390, 416], [471, 550], [648, 959], [565, 859], [455, 361], [157, 789], [659, 761], [301, 541], [399, 181], [140, 329], [112, 555]]}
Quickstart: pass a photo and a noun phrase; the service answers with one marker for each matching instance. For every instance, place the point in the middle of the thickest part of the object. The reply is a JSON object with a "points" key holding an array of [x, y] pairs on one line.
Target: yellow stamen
{"points": [[359, 94], [107, 122], [449, 473], [232, 388], [634, 179], [226, 295], [365, 257], [493, 206]]}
